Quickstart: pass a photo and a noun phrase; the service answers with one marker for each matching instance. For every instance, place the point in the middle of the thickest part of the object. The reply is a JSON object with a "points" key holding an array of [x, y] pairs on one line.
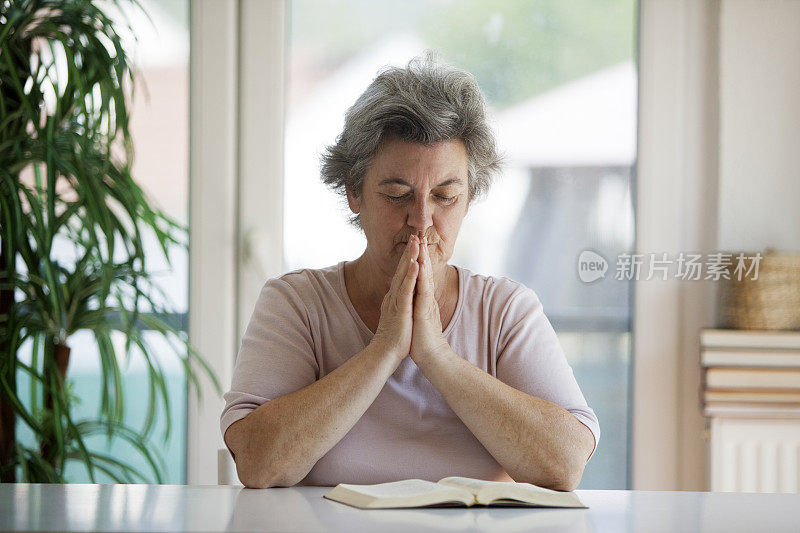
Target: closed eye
{"points": [[446, 200], [396, 199]]}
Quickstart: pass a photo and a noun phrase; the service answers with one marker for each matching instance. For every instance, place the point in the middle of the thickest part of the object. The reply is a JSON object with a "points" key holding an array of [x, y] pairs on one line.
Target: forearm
{"points": [[536, 441], [280, 441]]}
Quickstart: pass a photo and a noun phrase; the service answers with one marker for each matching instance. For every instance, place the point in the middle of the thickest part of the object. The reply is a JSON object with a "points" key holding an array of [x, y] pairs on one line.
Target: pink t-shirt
{"points": [[304, 326]]}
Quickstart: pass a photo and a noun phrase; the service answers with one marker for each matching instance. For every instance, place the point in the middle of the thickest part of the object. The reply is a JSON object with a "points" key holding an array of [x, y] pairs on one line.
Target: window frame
{"points": [[236, 193]]}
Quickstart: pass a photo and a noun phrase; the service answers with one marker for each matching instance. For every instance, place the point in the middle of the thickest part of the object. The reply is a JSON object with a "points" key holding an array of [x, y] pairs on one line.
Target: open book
{"points": [[450, 491]]}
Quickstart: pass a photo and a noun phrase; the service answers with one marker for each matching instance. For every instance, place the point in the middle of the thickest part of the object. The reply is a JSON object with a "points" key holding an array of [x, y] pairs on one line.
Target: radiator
{"points": [[755, 455]]}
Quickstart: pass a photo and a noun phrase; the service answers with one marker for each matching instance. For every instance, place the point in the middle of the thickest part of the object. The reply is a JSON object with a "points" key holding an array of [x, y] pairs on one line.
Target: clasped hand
{"points": [[410, 323]]}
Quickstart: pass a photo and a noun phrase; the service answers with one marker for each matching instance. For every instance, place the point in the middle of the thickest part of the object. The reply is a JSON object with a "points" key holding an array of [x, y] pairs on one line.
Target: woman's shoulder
{"points": [[309, 284], [498, 299], [490, 288], [300, 276]]}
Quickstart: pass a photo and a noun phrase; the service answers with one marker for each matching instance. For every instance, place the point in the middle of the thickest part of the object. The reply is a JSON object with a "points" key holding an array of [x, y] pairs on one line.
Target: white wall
{"points": [[759, 125], [718, 169], [676, 197]]}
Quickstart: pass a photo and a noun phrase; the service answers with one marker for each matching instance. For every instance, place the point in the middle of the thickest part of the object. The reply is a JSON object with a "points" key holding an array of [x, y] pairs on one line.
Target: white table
{"points": [[223, 508]]}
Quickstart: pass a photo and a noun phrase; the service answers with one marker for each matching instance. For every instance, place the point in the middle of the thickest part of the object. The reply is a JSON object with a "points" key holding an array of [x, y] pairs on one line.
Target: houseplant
{"points": [[66, 81]]}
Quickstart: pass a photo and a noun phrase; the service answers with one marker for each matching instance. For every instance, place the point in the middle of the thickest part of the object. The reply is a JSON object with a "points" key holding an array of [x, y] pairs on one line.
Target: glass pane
{"points": [[160, 130], [560, 81]]}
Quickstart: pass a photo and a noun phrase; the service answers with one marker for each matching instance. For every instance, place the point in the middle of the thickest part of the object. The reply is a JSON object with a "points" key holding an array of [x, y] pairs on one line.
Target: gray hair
{"points": [[425, 102]]}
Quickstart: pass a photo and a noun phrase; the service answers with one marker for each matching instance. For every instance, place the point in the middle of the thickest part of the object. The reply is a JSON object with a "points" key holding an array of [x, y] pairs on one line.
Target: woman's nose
{"points": [[420, 215]]}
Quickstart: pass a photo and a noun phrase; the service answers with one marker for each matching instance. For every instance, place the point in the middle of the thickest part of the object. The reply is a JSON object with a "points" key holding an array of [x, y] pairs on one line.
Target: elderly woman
{"points": [[398, 365]]}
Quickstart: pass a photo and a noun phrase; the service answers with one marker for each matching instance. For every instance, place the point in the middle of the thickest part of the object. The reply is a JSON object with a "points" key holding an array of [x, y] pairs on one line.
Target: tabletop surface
{"points": [[225, 508]]}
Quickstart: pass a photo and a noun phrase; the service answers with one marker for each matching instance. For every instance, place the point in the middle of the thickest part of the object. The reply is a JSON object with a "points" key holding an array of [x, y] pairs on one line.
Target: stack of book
{"points": [[751, 373]]}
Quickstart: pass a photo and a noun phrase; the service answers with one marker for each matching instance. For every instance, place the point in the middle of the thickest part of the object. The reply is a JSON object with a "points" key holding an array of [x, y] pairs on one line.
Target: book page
{"points": [[406, 493], [466, 483], [506, 492], [396, 489]]}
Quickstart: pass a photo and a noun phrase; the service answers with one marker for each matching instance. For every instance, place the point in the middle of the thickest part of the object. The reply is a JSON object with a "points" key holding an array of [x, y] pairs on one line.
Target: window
{"points": [[560, 81]]}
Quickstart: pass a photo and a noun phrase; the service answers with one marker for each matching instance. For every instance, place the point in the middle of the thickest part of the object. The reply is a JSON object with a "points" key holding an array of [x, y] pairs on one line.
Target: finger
{"points": [[409, 283], [406, 296], [428, 266], [424, 270], [402, 267], [414, 252], [415, 248]]}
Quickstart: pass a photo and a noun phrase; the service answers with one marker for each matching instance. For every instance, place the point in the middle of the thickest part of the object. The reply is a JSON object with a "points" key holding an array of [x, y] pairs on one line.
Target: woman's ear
{"points": [[353, 201]]}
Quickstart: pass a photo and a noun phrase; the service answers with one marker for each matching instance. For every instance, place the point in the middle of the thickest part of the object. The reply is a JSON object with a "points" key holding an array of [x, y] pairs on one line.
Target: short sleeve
{"points": [[276, 356], [530, 359]]}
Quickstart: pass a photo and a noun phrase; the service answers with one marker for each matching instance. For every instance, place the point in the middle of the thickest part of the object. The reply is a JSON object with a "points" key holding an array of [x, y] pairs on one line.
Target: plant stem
{"points": [[7, 416], [60, 356]]}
